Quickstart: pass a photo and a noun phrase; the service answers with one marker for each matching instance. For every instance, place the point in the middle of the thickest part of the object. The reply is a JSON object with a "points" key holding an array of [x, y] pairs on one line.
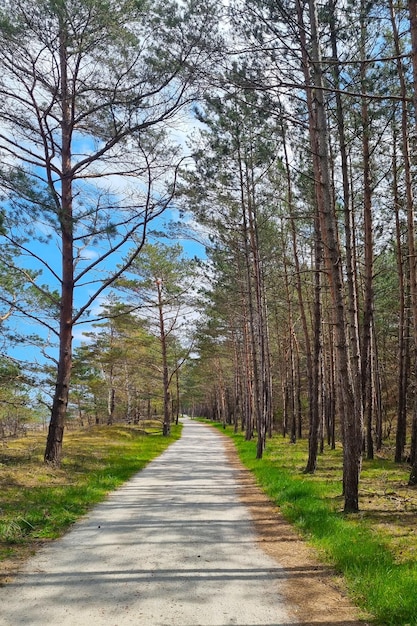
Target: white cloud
{"points": [[88, 254]]}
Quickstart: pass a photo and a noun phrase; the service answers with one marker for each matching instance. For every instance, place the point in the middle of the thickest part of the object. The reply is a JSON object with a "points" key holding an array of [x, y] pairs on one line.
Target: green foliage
{"points": [[121, 355], [16, 406], [166, 263], [128, 76]]}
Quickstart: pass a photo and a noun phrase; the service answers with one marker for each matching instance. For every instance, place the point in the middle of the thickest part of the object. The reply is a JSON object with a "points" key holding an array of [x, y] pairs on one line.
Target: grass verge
{"points": [[38, 503], [376, 550]]}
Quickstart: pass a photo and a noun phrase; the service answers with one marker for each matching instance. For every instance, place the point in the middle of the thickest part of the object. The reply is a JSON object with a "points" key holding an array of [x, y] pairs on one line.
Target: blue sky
{"points": [[50, 253]]}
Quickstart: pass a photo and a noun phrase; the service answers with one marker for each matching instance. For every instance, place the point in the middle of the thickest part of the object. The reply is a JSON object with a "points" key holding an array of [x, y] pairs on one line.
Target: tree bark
{"points": [[412, 6], [401, 430], [349, 228], [403, 341], [351, 405], [53, 450], [166, 425], [315, 355], [367, 363]]}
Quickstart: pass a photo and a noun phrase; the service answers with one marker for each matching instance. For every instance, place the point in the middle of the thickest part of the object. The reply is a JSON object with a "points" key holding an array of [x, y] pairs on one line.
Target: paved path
{"points": [[172, 547]]}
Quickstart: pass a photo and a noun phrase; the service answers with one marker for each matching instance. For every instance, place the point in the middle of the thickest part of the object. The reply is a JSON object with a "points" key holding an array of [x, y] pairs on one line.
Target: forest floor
{"points": [[390, 505]]}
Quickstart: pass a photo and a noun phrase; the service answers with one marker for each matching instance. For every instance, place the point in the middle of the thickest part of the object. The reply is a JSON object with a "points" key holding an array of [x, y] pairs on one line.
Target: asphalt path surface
{"points": [[174, 546]]}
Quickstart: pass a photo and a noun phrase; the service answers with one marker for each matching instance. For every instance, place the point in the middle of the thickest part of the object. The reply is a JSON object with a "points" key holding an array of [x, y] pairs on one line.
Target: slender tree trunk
{"points": [[328, 409], [349, 230], [166, 428], [378, 402], [403, 341], [401, 431], [317, 351], [352, 406], [331, 393], [128, 392], [53, 450], [177, 396], [366, 360], [269, 387], [247, 381], [111, 402], [312, 388], [298, 401], [260, 346], [236, 386], [290, 359], [315, 355], [252, 300], [412, 5]]}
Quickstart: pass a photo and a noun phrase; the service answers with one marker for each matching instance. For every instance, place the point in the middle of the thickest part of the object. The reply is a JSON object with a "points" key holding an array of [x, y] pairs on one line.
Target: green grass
{"points": [[380, 574], [38, 503]]}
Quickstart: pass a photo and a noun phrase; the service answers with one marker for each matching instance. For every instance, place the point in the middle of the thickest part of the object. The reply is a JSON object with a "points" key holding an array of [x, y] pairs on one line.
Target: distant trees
{"points": [[229, 192], [129, 368], [114, 376], [161, 284], [16, 410]]}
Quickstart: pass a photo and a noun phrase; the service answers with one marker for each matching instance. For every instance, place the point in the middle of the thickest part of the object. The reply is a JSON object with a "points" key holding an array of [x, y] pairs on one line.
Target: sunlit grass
{"points": [[38, 502], [375, 550]]}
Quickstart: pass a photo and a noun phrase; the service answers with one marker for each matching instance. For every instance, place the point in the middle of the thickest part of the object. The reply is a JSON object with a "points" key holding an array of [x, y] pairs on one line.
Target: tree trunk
{"points": [[253, 321], [312, 387], [403, 341], [412, 5], [352, 406], [349, 230], [177, 396], [317, 352], [367, 362], [401, 431], [290, 360], [378, 402], [111, 402], [53, 449], [257, 312], [128, 395], [314, 356], [166, 427]]}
